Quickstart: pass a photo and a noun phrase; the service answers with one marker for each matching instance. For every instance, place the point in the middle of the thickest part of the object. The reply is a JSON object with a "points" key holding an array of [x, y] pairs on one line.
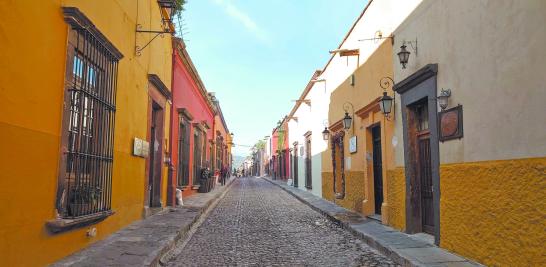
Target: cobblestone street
{"points": [[257, 223]]}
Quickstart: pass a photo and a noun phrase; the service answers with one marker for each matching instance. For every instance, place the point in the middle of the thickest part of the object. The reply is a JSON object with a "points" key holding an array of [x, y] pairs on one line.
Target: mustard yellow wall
{"points": [[354, 194], [359, 178], [495, 211], [33, 38]]}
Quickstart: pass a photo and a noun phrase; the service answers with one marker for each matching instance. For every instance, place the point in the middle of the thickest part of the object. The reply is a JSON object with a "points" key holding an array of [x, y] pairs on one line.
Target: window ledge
{"points": [[60, 225], [184, 187], [195, 187]]}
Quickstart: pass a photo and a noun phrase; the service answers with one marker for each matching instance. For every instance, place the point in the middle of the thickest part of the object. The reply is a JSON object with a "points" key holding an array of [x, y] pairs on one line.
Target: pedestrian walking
{"points": [[223, 175]]}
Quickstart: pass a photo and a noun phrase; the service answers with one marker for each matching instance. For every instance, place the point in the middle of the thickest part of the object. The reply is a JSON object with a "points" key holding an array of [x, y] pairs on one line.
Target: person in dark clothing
{"points": [[223, 175]]}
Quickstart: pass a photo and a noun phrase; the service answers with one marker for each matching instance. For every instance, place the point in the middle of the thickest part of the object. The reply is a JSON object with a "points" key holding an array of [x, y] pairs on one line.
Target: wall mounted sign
{"points": [[352, 144], [451, 123], [141, 148]]}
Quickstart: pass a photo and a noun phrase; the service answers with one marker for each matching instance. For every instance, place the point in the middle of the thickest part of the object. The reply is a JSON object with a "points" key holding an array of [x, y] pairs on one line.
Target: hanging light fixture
{"points": [[403, 55], [168, 5], [443, 98], [347, 121], [325, 134], [385, 104]]}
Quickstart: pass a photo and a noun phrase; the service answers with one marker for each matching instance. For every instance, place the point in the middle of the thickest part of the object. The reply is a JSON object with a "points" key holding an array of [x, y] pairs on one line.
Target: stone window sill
{"points": [[60, 225], [195, 187]]}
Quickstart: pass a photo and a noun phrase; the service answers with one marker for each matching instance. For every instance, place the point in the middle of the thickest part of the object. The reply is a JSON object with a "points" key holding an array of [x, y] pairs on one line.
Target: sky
{"points": [[258, 55]]}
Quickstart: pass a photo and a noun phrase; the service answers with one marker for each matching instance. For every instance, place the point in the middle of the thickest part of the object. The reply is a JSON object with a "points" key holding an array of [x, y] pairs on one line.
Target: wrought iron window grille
{"points": [[85, 179]]}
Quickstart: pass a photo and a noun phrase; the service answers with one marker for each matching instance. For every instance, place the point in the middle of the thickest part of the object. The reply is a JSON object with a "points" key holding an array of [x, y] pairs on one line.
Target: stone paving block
{"points": [[142, 243], [400, 247], [272, 228]]}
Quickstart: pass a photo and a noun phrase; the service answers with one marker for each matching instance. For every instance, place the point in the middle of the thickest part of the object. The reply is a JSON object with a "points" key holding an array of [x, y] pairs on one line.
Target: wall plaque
{"points": [[451, 123], [352, 144], [141, 148]]}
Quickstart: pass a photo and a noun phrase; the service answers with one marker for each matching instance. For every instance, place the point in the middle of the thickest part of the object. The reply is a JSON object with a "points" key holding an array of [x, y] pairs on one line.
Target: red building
{"points": [[192, 125], [280, 151]]}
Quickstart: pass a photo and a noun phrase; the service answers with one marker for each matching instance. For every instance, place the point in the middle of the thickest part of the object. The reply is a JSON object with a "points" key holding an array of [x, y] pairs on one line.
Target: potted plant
{"points": [[83, 199]]}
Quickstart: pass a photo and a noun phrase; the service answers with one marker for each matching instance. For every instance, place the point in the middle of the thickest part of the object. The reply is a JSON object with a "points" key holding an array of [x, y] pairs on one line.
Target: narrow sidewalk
{"points": [[404, 249], [144, 242]]}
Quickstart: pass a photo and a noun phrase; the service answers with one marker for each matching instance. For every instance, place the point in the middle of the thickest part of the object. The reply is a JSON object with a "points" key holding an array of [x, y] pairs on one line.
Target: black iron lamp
{"points": [[168, 5], [347, 121], [325, 134], [443, 98], [385, 104], [403, 55]]}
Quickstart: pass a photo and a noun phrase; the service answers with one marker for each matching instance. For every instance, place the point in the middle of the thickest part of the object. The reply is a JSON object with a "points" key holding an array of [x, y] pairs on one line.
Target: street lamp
{"points": [[385, 104], [443, 98], [403, 55], [347, 121], [386, 101], [325, 134]]}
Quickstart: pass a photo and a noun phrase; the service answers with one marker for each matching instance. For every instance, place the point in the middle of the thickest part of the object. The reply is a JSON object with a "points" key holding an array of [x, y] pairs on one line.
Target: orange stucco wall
{"points": [[33, 39]]}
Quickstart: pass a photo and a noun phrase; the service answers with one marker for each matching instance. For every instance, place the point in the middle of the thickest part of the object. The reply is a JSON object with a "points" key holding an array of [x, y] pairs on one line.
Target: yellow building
{"points": [[470, 128], [358, 158], [80, 89], [359, 155]]}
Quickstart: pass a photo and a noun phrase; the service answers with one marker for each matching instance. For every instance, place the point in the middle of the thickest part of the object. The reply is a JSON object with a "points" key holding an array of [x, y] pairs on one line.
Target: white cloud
{"points": [[239, 15]]}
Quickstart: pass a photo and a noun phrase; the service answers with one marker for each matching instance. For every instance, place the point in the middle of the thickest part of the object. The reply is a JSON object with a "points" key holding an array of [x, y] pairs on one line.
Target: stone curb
{"points": [[351, 221], [87, 256]]}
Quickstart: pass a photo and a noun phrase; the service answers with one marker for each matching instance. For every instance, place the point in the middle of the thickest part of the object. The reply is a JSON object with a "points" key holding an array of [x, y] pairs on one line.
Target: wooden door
{"points": [[377, 169], [424, 170], [308, 167], [295, 164], [156, 141]]}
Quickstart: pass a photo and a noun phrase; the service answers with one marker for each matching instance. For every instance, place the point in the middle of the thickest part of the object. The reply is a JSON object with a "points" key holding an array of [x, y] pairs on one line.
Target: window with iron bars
{"points": [[88, 121], [183, 152], [219, 145], [197, 155]]}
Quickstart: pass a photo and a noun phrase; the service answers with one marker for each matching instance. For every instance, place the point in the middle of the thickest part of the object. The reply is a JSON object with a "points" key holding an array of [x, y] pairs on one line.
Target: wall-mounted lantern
{"points": [[386, 102], [168, 5], [404, 54], [443, 98], [347, 121], [325, 134]]}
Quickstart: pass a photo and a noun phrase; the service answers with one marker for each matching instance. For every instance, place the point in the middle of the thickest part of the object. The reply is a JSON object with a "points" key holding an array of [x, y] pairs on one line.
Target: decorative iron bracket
{"points": [[138, 49], [378, 36]]}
